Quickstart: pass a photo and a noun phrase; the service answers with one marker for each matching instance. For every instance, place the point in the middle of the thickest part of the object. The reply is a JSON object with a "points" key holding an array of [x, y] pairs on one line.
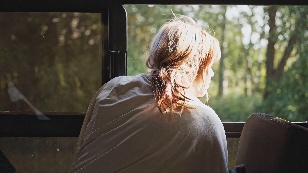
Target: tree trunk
{"points": [[221, 62], [273, 75], [270, 52]]}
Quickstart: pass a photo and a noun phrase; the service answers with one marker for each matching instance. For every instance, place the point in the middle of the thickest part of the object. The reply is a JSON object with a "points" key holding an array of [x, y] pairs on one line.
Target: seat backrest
{"points": [[269, 144]]}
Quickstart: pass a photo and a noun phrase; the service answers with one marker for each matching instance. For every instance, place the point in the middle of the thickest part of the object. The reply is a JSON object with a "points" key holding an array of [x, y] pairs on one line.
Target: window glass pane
{"points": [[264, 57], [49, 62]]}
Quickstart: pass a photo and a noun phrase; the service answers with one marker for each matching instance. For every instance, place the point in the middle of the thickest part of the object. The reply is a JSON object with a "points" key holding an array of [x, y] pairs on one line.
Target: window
{"points": [[51, 62], [243, 32], [51, 65], [263, 64]]}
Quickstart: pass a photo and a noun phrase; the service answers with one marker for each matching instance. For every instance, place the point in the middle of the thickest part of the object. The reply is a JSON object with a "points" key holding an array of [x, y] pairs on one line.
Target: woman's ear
{"points": [[202, 82], [198, 86]]}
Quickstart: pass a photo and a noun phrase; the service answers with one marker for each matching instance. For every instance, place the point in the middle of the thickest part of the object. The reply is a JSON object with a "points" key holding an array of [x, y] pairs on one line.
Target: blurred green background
{"points": [[264, 55]]}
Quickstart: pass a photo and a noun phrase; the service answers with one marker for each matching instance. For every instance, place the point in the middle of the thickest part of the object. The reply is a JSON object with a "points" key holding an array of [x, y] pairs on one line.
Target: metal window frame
{"points": [[68, 124]]}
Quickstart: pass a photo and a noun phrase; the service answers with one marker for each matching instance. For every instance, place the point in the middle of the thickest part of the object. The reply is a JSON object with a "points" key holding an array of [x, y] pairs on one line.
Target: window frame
{"points": [[68, 124]]}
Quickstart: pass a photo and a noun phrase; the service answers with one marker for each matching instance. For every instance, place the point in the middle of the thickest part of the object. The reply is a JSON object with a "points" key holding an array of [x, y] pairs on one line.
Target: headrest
{"points": [[272, 144]]}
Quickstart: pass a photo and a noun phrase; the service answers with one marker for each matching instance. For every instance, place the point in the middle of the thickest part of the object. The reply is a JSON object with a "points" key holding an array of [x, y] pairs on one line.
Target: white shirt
{"points": [[128, 134]]}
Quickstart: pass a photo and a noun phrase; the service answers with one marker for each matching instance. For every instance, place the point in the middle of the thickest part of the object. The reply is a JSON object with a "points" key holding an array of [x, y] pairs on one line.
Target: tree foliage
{"points": [[258, 51]]}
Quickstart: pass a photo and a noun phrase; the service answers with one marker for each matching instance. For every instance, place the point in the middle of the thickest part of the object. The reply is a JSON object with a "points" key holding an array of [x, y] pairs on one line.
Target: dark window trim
{"points": [[97, 5], [26, 124]]}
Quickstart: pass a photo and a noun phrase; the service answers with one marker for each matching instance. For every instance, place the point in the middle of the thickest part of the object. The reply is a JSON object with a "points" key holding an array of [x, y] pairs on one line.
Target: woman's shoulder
{"points": [[205, 112], [123, 80], [202, 110], [206, 120], [126, 85]]}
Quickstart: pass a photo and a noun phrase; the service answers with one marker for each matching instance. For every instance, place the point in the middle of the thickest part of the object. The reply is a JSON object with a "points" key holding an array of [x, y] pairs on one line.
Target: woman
{"points": [[155, 122]]}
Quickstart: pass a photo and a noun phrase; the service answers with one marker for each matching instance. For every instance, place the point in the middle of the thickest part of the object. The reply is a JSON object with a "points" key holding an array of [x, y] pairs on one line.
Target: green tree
{"points": [[257, 41], [221, 62], [285, 42], [287, 96]]}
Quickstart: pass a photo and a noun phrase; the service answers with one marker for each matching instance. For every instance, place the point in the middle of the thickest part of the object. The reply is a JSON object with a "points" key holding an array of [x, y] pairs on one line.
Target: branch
{"points": [[285, 56], [272, 39], [287, 52]]}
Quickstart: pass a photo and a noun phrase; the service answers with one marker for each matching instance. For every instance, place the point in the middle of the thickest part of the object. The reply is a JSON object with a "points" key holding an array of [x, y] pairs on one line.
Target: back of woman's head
{"points": [[180, 52]]}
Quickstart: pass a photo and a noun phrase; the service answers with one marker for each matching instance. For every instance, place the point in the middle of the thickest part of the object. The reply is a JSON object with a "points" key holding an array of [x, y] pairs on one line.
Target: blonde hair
{"points": [[180, 52]]}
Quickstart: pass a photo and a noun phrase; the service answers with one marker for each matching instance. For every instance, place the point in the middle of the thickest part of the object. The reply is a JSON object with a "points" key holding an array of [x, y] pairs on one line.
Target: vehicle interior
{"points": [[55, 54]]}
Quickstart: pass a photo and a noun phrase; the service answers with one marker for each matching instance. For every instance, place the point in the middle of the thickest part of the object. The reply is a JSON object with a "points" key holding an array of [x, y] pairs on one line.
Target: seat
{"points": [[269, 144]]}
